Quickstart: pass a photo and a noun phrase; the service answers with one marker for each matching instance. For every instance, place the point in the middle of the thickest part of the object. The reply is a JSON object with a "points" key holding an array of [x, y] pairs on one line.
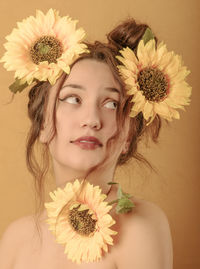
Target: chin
{"points": [[76, 160], [81, 165], [84, 166]]}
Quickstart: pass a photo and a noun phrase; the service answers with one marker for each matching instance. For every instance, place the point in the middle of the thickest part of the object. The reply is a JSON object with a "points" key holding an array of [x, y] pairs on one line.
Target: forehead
{"points": [[90, 71]]}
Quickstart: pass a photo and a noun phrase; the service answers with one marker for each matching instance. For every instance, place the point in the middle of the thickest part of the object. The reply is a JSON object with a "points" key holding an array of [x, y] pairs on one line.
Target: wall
{"points": [[175, 186]]}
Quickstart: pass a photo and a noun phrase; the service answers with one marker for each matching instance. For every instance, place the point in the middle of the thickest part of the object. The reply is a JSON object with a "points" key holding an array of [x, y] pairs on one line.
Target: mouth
{"points": [[87, 142]]}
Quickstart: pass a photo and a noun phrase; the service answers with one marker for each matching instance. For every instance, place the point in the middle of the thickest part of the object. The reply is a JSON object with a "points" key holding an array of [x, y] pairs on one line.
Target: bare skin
{"points": [[143, 240]]}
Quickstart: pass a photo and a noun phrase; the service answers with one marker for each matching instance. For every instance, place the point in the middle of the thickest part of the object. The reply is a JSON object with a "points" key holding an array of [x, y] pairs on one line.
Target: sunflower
{"points": [[81, 222], [42, 47], [155, 79]]}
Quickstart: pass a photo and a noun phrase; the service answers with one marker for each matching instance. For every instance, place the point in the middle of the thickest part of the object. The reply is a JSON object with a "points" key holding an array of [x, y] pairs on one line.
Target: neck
{"points": [[99, 177]]}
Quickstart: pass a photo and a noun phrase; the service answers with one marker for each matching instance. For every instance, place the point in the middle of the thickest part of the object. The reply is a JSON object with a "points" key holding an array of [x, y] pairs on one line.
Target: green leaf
{"points": [[127, 195], [112, 183], [125, 202], [148, 35], [122, 210], [17, 86], [121, 194], [124, 205]]}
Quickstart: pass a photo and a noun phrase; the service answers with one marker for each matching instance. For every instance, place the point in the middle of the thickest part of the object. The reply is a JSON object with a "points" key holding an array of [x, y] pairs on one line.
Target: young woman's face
{"points": [[86, 117]]}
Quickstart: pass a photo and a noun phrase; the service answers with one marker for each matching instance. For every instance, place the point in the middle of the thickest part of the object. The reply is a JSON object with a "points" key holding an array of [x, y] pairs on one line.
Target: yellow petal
{"points": [[77, 247], [148, 110], [17, 56]]}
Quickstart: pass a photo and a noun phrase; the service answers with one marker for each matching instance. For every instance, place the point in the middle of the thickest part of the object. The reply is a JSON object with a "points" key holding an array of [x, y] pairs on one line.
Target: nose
{"points": [[91, 118]]}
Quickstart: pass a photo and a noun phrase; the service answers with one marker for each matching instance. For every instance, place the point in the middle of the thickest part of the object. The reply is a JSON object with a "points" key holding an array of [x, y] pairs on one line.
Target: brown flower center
{"points": [[81, 221], [153, 84], [46, 48]]}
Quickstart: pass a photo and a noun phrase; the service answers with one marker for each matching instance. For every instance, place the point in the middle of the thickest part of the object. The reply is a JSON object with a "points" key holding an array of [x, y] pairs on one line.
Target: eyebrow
{"points": [[76, 86]]}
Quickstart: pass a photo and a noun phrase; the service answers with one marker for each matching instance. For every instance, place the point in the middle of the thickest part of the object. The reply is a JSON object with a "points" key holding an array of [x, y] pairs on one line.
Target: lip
{"points": [[87, 142]]}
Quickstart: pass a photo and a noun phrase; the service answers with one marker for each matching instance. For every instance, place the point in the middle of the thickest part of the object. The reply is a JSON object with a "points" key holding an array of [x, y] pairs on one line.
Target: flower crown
{"points": [[155, 78], [42, 48]]}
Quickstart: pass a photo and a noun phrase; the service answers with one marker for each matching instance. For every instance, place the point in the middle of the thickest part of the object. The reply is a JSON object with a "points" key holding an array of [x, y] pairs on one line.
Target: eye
{"points": [[72, 99], [112, 104]]}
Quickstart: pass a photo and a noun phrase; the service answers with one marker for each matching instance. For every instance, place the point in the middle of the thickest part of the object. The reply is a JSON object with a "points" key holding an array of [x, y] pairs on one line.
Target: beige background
{"points": [[175, 188]]}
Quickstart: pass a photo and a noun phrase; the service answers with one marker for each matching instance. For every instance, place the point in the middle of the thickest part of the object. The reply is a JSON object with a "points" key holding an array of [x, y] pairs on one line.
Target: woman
{"points": [[84, 121]]}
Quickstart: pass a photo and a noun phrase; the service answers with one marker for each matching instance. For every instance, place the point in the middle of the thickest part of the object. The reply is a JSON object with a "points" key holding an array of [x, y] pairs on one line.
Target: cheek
{"points": [[122, 137], [65, 122], [109, 122], [113, 128]]}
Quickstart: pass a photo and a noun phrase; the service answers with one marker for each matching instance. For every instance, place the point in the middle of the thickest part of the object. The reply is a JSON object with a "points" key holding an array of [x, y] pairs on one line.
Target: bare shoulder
{"points": [[146, 238], [12, 239]]}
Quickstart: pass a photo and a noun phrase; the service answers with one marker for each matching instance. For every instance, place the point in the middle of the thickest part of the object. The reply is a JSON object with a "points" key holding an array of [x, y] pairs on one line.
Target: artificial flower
{"points": [[42, 47], [81, 222], [155, 79]]}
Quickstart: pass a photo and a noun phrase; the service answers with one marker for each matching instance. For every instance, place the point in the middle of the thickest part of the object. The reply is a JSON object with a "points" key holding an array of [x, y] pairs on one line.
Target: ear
{"points": [[126, 143]]}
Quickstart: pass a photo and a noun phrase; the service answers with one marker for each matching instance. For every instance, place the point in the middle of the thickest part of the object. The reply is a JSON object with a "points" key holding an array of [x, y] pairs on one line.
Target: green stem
{"points": [[112, 202]]}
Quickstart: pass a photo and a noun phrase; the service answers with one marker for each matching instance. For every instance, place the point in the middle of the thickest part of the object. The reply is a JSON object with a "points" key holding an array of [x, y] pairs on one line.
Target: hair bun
{"points": [[127, 34]]}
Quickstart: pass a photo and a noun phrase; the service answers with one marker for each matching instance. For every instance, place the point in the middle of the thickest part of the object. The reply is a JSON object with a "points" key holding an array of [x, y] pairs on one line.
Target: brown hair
{"points": [[126, 34]]}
